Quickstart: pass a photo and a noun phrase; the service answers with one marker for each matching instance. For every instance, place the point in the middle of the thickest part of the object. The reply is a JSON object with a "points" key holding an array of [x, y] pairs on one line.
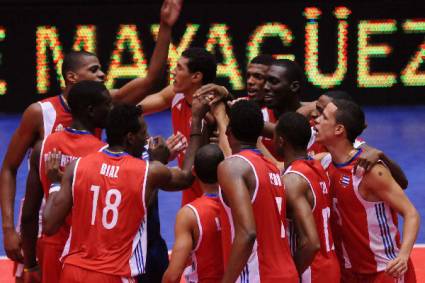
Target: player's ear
{"points": [[339, 129], [197, 77], [295, 86], [71, 77]]}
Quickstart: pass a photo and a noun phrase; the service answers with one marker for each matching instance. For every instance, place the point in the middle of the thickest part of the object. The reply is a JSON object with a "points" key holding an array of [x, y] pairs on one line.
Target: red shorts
{"points": [[75, 274], [379, 277], [48, 256]]}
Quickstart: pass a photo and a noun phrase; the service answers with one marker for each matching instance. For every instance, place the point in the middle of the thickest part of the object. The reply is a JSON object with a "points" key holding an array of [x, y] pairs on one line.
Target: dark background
{"points": [[21, 17]]}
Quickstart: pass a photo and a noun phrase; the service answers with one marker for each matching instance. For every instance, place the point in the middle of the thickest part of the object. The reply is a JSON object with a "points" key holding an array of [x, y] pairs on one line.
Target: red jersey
{"points": [[73, 144], [271, 259], [108, 233], [181, 118], [325, 260], [207, 259], [268, 116], [56, 114], [368, 230]]}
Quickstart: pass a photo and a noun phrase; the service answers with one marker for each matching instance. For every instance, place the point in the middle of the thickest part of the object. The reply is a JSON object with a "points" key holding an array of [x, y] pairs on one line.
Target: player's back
{"points": [[72, 144], [325, 260], [108, 234], [271, 259], [207, 259]]}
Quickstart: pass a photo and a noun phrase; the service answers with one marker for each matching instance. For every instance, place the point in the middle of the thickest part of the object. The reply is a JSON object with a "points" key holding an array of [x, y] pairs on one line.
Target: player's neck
{"points": [[341, 151], [117, 149], [211, 189], [291, 155], [289, 106], [81, 126], [188, 95], [243, 145]]}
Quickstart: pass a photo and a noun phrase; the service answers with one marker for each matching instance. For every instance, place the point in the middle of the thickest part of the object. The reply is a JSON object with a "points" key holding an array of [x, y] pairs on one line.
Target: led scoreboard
{"points": [[373, 49]]}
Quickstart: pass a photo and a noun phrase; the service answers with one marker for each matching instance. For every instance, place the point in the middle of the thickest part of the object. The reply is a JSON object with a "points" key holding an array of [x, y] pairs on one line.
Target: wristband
{"points": [[32, 269], [54, 187]]}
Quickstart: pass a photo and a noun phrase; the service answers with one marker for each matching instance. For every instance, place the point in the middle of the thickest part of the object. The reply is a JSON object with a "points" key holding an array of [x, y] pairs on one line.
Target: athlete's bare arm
{"points": [[218, 110], [59, 204], [137, 89], [175, 179], [370, 156], [30, 130], [30, 211], [381, 185], [233, 174], [184, 243], [158, 102], [300, 210]]}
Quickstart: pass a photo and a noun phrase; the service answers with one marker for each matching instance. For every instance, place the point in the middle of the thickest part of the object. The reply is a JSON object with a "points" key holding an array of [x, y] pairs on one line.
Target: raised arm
{"points": [[137, 89], [231, 179], [59, 204], [380, 182], [29, 131], [300, 210], [219, 112], [183, 244], [158, 102], [175, 179]]}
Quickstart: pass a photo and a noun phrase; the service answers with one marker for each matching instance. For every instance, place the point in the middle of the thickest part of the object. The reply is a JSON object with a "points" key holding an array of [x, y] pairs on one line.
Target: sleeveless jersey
{"points": [[73, 144], [181, 118], [268, 116], [325, 260], [108, 233], [368, 230], [56, 114], [270, 260], [207, 259]]}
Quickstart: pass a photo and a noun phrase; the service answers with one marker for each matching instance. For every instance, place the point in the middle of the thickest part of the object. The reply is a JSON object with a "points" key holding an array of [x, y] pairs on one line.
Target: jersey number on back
{"points": [[110, 207]]}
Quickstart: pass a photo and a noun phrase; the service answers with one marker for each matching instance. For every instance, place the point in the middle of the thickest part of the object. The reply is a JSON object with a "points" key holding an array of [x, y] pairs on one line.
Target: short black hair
{"points": [[263, 59], [200, 60], [123, 119], [338, 94], [295, 129], [207, 159], [72, 61], [84, 94], [351, 115], [246, 121], [294, 71]]}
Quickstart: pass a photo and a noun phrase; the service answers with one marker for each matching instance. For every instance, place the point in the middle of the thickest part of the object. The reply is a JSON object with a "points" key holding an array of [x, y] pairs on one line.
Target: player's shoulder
{"points": [[177, 98]]}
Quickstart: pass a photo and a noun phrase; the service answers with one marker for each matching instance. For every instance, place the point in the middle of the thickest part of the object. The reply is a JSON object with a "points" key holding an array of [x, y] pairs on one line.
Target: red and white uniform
{"points": [[181, 118], [368, 230], [271, 259], [73, 144], [108, 233], [325, 266], [207, 259], [268, 116], [56, 114]]}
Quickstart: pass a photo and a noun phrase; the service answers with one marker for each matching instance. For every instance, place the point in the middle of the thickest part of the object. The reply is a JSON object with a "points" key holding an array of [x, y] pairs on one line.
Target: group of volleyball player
{"points": [[273, 189]]}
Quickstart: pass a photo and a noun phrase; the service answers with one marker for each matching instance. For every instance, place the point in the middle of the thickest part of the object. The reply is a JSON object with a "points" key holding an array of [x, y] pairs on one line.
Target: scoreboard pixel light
{"points": [[326, 61]]}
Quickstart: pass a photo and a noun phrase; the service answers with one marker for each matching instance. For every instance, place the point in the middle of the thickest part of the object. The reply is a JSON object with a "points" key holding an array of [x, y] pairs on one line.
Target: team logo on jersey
{"points": [[59, 128], [345, 180]]}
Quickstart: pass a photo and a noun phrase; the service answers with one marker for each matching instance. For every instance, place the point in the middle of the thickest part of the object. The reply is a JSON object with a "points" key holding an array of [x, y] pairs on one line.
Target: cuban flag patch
{"points": [[345, 180]]}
